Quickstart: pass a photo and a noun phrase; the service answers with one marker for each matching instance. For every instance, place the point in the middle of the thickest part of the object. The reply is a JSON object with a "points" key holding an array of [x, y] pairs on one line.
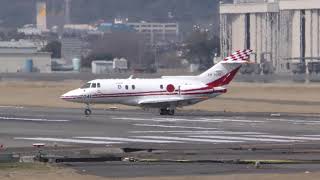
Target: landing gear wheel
{"points": [[163, 112], [167, 112], [171, 112], [87, 112]]}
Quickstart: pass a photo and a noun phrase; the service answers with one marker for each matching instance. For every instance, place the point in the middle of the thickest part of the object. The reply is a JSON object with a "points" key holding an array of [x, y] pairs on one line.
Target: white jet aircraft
{"points": [[166, 93]]}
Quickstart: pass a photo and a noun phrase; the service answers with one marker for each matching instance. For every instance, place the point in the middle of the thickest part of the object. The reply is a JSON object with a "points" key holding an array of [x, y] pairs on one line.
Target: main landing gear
{"points": [[166, 111], [87, 111]]}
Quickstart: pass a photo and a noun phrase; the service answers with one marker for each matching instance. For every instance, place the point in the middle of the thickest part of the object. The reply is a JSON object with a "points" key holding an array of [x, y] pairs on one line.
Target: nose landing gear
{"points": [[87, 111]]}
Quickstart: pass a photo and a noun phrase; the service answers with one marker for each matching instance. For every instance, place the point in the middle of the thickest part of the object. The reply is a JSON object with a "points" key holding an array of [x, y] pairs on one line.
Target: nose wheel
{"points": [[87, 112]]}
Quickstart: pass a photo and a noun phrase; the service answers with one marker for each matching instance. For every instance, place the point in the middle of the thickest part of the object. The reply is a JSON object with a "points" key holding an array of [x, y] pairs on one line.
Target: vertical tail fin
{"points": [[223, 73]]}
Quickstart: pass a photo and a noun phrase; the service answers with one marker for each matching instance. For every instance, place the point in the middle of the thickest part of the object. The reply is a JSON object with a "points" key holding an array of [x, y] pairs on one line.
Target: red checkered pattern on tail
{"points": [[239, 55]]}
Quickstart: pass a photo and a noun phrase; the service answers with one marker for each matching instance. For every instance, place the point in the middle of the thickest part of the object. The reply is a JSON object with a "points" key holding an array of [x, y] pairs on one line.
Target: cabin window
{"points": [[133, 87], [161, 86], [93, 85], [127, 87], [87, 85]]}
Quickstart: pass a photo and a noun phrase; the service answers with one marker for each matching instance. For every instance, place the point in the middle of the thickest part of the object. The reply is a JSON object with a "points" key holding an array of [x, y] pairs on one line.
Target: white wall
{"points": [[296, 35], [15, 62], [238, 32], [312, 33], [248, 8], [299, 4]]}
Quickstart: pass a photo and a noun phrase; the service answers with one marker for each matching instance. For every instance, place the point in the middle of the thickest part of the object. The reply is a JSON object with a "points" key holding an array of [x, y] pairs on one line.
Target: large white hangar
{"points": [[283, 33]]}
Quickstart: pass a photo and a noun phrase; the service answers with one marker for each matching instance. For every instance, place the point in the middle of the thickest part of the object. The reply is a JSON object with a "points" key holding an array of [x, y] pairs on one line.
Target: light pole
{"points": [[155, 57], [67, 11]]}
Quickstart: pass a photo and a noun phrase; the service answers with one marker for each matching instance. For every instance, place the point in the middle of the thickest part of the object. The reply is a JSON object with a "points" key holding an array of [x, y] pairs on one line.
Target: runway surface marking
{"points": [[166, 139], [165, 130], [32, 119], [128, 139], [188, 139], [221, 120], [245, 138], [15, 107], [169, 126], [231, 120], [186, 120], [66, 140], [297, 121], [290, 137], [198, 132]]}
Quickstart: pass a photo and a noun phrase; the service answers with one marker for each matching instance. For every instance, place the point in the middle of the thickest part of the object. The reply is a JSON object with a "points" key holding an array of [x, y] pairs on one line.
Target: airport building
{"points": [[29, 30], [41, 21], [284, 34], [157, 32], [23, 56], [72, 47]]}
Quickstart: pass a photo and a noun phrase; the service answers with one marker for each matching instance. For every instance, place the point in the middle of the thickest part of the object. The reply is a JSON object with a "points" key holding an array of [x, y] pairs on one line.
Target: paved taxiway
{"points": [[188, 135]]}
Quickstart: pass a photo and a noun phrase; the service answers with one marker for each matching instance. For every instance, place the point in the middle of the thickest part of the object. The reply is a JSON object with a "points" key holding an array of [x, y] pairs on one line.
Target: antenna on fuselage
{"points": [[131, 77]]}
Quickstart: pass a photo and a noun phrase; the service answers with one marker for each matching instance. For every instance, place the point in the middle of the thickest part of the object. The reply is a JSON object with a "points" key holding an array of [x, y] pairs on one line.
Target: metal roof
{"points": [[17, 44]]}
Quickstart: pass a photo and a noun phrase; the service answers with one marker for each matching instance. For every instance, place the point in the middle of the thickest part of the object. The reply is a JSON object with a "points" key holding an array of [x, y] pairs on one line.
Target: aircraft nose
{"points": [[63, 96], [69, 96]]}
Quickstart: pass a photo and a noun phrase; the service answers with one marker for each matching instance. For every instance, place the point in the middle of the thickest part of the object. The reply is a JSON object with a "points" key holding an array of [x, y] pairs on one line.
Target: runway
{"points": [[23, 126], [191, 135]]}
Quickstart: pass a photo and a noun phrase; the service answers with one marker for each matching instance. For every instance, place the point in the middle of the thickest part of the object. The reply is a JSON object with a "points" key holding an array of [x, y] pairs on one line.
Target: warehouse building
{"points": [[284, 34], [157, 32], [23, 56]]}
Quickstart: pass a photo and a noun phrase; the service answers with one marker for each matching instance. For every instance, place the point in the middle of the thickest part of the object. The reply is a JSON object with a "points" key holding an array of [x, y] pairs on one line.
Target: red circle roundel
{"points": [[170, 88]]}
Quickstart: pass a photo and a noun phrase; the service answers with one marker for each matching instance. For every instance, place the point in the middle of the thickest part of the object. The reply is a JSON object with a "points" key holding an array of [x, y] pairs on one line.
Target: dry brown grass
{"points": [[68, 174], [36, 93], [242, 97], [252, 97]]}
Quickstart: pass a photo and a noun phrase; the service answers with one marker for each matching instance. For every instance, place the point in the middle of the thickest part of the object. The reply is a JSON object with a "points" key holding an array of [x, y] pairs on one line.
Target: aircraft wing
{"points": [[166, 102]]}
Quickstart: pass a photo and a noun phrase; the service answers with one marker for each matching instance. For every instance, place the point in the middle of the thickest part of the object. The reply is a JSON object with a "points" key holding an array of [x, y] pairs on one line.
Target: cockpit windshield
{"points": [[87, 85]]}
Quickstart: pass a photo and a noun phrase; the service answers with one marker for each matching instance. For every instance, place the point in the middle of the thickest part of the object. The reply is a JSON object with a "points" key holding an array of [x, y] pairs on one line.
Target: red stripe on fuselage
{"points": [[153, 94], [142, 94], [224, 80]]}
